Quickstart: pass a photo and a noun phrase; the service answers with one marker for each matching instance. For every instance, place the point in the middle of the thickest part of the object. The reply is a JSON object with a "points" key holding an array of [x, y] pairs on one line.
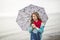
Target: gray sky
{"points": [[11, 7]]}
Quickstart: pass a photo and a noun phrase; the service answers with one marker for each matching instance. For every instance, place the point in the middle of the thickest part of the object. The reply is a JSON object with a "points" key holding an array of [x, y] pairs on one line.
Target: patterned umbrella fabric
{"points": [[23, 18]]}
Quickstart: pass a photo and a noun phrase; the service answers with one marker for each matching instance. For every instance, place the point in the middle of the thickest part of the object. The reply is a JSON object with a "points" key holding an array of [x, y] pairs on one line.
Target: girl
{"points": [[36, 27]]}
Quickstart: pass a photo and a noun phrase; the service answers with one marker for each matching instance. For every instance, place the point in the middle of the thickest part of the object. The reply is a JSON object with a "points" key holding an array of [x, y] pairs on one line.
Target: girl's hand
{"points": [[33, 25]]}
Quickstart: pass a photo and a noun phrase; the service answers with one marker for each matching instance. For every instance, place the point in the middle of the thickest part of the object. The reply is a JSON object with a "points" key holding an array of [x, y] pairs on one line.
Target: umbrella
{"points": [[23, 18]]}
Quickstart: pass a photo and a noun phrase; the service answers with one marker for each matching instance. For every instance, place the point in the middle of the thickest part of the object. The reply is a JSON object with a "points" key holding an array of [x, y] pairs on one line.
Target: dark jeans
{"points": [[35, 36]]}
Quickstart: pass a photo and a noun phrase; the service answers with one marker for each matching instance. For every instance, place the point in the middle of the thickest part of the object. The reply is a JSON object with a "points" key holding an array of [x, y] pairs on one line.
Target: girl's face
{"points": [[34, 17]]}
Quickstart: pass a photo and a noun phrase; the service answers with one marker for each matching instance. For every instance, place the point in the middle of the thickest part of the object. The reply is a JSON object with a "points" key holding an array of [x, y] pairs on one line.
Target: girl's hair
{"points": [[38, 17]]}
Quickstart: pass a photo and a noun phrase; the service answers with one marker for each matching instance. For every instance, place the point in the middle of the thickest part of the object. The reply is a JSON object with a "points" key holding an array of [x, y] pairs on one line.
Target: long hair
{"points": [[37, 15]]}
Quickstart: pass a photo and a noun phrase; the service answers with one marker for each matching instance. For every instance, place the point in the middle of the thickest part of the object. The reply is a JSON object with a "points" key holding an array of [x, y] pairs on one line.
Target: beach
{"points": [[10, 30]]}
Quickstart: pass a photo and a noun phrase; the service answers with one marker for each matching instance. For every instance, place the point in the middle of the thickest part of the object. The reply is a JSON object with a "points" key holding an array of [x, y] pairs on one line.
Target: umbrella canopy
{"points": [[25, 14]]}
